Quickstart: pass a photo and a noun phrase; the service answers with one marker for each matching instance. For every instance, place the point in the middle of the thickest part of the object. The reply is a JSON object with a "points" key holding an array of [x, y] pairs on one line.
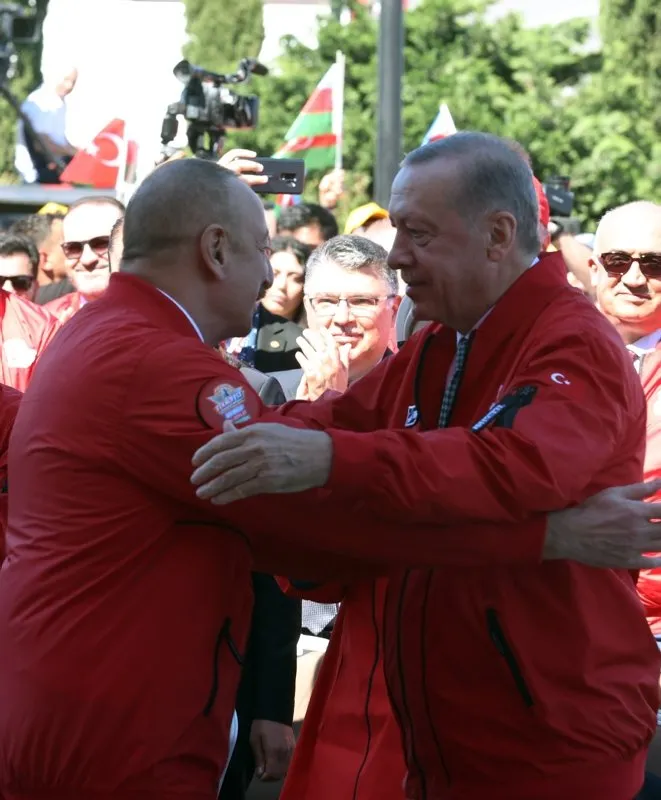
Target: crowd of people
{"points": [[431, 439]]}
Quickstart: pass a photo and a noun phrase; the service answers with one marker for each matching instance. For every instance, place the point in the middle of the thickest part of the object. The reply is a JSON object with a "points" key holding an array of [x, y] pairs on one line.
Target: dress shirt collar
{"points": [[196, 327]]}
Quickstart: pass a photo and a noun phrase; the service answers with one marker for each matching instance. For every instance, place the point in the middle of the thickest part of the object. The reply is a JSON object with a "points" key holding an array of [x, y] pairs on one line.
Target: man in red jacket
{"points": [[87, 228], [529, 679], [125, 598], [626, 269], [25, 331]]}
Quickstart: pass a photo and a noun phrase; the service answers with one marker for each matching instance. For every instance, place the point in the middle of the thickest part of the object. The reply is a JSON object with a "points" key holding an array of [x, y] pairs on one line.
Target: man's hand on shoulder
{"points": [[615, 529], [265, 458]]}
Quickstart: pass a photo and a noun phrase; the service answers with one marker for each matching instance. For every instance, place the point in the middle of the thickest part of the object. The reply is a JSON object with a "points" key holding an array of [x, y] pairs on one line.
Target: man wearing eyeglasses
{"points": [[25, 328], [351, 303], [626, 273], [87, 228]]}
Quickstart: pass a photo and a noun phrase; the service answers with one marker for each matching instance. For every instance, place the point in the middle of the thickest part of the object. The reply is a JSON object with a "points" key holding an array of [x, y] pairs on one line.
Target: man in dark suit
{"points": [[276, 343], [265, 700]]}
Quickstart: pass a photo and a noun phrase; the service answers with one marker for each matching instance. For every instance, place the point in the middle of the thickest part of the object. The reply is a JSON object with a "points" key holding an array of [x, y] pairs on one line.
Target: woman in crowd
{"points": [[280, 318]]}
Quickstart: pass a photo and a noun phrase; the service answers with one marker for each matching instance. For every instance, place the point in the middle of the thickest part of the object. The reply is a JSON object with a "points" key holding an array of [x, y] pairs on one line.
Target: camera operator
{"points": [[46, 110]]}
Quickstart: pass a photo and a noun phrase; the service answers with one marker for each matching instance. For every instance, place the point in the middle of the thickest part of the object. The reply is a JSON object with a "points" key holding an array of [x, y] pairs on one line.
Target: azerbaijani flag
{"points": [[441, 127], [313, 135]]}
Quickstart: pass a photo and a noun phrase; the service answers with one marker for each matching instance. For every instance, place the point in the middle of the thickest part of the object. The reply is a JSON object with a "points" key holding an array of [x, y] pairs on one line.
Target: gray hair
{"points": [[352, 253], [494, 177]]}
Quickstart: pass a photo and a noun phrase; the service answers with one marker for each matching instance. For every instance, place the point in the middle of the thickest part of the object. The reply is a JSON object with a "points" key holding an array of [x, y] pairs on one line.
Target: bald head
{"points": [[634, 227], [491, 175], [199, 234], [178, 201], [625, 268]]}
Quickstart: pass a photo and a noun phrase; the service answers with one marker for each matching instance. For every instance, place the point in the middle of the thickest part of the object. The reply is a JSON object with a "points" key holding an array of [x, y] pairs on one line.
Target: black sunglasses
{"points": [[20, 283], [618, 263], [99, 246]]}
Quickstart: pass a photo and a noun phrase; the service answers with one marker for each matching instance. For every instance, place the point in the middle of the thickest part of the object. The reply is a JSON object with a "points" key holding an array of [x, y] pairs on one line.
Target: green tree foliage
{"points": [[577, 114], [223, 31], [26, 79], [631, 30]]}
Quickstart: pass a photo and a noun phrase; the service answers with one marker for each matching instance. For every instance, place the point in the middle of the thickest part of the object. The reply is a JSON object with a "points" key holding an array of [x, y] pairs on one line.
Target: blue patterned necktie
{"points": [[451, 390]]}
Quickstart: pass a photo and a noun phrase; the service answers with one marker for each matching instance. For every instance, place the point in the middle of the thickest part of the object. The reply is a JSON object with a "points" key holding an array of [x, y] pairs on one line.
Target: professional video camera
{"points": [[210, 107], [561, 203]]}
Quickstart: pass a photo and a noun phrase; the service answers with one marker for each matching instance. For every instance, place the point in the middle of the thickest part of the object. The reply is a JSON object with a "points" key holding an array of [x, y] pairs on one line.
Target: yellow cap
{"points": [[53, 208], [359, 216]]}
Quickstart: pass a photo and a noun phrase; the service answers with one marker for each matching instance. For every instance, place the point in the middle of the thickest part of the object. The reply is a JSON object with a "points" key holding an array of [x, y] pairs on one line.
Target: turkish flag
{"points": [[98, 164]]}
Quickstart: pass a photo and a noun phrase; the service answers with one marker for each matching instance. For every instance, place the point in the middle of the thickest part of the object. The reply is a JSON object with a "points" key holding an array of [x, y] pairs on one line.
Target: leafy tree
{"points": [[631, 30], [26, 79], [495, 75], [223, 31]]}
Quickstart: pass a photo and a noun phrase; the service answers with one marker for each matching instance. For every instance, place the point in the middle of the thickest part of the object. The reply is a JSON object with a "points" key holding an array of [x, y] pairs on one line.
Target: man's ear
{"points": [[594, 273], [396, 303], [213, 250], [502, 235]]}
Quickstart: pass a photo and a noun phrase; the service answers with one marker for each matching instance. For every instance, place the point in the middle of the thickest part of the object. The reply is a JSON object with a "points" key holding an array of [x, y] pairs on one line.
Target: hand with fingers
{"points": [[265, 458], [272, 744], [242, 164], [325, 365], [331, 188], [615, 528]]}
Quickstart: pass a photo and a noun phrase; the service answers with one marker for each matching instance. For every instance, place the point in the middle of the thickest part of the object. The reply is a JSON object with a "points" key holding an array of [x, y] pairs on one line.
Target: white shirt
{"points": [[46, 110], [196, 327], [644, 345]]}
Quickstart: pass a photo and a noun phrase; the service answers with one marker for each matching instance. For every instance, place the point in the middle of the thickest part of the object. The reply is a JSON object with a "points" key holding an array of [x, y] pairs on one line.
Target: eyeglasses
{"points": [[327, 305], [618, 263], [20, 283], [74, 250]]}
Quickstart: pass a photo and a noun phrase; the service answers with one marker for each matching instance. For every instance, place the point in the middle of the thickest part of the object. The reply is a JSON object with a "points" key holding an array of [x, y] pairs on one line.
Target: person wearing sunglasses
{"points": [[25, 328], [626, 274], [87, 228], [19, 266]]}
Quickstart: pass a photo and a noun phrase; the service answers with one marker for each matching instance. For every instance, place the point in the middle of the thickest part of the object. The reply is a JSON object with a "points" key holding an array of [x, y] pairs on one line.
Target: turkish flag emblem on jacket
{"points": [[98, 165]]}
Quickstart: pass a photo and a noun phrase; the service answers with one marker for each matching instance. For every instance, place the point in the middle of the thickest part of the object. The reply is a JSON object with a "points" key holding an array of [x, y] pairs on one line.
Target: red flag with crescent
{"points": [[98, 164]]}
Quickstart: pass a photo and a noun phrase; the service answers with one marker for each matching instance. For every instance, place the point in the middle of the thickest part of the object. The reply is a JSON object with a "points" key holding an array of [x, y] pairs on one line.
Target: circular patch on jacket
{"points": [[220, 400]]}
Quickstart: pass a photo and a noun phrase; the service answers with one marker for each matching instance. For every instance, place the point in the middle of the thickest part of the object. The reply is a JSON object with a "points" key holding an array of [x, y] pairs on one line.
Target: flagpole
{"points": [[338, 107], [120, 183]]}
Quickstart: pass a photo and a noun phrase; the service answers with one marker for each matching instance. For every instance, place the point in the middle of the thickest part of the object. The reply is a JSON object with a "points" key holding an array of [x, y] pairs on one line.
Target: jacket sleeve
{"points": [[9, 402], [271, 657], [167, 418], [585, 413], [358, 409], [50, 327]]}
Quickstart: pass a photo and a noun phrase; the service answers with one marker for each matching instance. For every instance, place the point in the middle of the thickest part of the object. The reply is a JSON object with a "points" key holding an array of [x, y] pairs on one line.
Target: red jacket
{"points": [[9, 402], [25, 331], [66, 306], [649, 580], [509, 677], [349, 730], [125, 600]]}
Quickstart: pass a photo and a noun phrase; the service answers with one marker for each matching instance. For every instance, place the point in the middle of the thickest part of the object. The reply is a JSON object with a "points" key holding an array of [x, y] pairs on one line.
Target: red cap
{"points": [[544, 209]]}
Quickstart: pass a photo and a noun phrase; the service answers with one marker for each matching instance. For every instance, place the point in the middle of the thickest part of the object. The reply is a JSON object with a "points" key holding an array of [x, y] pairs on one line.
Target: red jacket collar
{"points": [[523, 302], [130, 291]]}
